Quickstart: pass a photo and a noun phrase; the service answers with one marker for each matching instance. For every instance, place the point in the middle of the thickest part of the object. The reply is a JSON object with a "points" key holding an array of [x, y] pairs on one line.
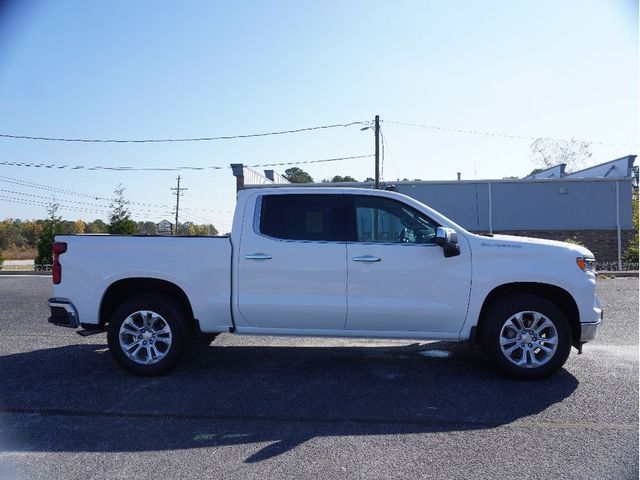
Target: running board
{"points": [[86, 333]]}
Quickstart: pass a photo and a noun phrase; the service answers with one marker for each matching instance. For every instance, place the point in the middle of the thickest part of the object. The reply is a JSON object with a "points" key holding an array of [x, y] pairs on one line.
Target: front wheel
{"points": [[526, 336], [147, 335]]}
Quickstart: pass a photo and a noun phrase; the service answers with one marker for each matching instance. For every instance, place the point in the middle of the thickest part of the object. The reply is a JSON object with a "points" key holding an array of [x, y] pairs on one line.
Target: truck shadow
{"points": [[75, 399]]}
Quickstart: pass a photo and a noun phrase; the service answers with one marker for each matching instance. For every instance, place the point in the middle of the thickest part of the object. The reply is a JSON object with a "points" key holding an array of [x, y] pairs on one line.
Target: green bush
{"points": [[45, 241]]}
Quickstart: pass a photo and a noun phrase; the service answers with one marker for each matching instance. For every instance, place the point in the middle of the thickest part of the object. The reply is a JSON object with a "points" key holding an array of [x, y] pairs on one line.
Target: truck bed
{"points": [[200, 266]]}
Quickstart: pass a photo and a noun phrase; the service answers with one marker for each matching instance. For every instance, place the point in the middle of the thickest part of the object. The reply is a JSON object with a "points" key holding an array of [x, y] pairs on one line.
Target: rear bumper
{"points": [[63, 313]]}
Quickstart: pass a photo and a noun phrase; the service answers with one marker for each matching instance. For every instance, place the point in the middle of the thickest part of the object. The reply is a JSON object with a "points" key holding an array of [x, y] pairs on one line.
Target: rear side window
{"points": [[303, 217]]}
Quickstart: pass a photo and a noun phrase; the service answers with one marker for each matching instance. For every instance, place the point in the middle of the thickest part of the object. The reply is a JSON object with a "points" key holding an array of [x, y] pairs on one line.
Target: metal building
{"points": [[592, 206]]}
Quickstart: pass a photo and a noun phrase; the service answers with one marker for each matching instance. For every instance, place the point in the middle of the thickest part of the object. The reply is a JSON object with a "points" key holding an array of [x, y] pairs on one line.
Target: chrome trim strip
{"points": [[256, 229]]}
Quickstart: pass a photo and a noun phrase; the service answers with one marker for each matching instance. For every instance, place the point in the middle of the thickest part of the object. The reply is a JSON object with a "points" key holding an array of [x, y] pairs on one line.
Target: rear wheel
{"points": [[147, 335], [526, 336]]}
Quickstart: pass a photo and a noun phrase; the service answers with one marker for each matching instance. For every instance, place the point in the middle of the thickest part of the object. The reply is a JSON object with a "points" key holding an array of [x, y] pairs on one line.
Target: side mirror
{"points": [[447, 238]]}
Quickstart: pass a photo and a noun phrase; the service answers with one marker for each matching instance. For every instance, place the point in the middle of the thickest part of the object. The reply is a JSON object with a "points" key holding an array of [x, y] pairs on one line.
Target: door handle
{"points": [[258, 256], [366, 258]]}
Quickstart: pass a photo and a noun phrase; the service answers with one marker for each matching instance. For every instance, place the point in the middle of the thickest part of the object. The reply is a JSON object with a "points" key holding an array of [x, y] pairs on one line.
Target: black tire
{"points": [[168, 313], [492, 329]]}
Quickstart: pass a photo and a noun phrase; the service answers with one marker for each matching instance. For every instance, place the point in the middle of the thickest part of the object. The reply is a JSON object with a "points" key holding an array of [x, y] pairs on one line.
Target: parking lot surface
{"points": [[266, 407]]}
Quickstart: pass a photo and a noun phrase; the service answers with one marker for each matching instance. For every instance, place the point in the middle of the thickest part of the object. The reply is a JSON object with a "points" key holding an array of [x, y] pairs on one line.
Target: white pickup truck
{"points": [[334, 262]]}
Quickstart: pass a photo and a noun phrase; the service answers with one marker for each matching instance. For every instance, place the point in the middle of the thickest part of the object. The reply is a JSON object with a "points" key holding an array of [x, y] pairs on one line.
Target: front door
{"points": [[398, 278]]}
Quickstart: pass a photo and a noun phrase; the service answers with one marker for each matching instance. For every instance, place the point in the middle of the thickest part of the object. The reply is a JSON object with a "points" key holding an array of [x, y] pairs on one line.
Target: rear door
{"points": [[292, 271], [399, 279]]}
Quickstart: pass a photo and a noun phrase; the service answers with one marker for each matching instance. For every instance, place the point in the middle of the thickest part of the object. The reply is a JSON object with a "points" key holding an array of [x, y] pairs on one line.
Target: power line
{"points": [[193, 218], [43, 201], [97, 210], [338, 159], [65, 201], [387, 146], [13, 192], [44, 204], [170, 140], [203, 211], [25, 183], [502, 135], [127, 168], [101, 207]]}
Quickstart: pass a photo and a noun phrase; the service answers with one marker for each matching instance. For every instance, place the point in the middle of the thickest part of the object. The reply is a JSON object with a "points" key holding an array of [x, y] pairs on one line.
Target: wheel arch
{"points": [[557, 295], [121, 290]]}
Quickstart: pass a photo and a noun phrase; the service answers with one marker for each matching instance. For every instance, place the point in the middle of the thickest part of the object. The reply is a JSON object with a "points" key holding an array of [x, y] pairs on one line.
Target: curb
{"points": [[620, 274], [24, 272]]}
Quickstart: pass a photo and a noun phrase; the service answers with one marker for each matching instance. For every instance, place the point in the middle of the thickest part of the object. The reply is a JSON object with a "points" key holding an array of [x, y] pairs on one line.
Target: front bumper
{"points": [[63, 313], [589, 330]]}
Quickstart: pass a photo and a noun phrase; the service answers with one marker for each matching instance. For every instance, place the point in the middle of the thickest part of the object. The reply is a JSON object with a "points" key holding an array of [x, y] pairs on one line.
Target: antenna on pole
{"points": [[178, 194]]}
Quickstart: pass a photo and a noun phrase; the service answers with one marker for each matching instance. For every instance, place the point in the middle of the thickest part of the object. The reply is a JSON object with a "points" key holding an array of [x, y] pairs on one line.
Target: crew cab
{"points": [[330, 262]]}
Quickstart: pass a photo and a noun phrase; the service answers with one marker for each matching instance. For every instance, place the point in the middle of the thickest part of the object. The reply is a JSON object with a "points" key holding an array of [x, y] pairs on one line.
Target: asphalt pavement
{"points": [[266, 407]]}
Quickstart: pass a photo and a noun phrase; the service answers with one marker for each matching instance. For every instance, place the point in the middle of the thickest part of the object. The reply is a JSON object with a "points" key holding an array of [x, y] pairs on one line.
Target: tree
{"points": [[147, 228], [297, 175], [187, 229], [50, 229], [97, 226], [120, 221], [79, 226], [548, 152], [206, 230], [191, 229], [339, 179], [11, 234], [31, 232], [4, 238]]}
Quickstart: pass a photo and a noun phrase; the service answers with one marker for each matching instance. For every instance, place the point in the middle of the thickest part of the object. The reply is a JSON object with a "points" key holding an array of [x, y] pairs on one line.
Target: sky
{"points": [[166, 69]]}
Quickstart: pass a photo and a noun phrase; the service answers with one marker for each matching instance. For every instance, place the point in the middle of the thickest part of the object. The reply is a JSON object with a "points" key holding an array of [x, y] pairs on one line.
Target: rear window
{"points": [[303, 217]]}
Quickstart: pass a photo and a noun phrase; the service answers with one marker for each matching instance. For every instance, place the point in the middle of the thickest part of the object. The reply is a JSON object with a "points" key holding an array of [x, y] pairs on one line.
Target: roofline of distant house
{"points": [[629, 158]]}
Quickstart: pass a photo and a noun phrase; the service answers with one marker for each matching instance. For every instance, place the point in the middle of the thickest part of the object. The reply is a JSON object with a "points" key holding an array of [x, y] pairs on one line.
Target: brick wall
{"points": [[603, 243]]}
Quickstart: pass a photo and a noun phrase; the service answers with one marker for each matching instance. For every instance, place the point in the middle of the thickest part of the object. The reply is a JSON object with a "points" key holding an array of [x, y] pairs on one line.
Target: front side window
{"points": [[384, 220], [303, 217]]}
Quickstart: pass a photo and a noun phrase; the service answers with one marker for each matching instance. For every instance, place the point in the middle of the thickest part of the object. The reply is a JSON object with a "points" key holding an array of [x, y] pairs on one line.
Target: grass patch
{"points": [[14, 253]]}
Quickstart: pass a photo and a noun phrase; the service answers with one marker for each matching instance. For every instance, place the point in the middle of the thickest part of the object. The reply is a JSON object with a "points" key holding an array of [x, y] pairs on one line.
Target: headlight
{"points": [[586, 264]]}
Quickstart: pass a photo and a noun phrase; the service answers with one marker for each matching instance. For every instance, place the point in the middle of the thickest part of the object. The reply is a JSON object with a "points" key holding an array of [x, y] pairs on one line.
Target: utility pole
{"points": [[377, 135], [177, 194]]}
